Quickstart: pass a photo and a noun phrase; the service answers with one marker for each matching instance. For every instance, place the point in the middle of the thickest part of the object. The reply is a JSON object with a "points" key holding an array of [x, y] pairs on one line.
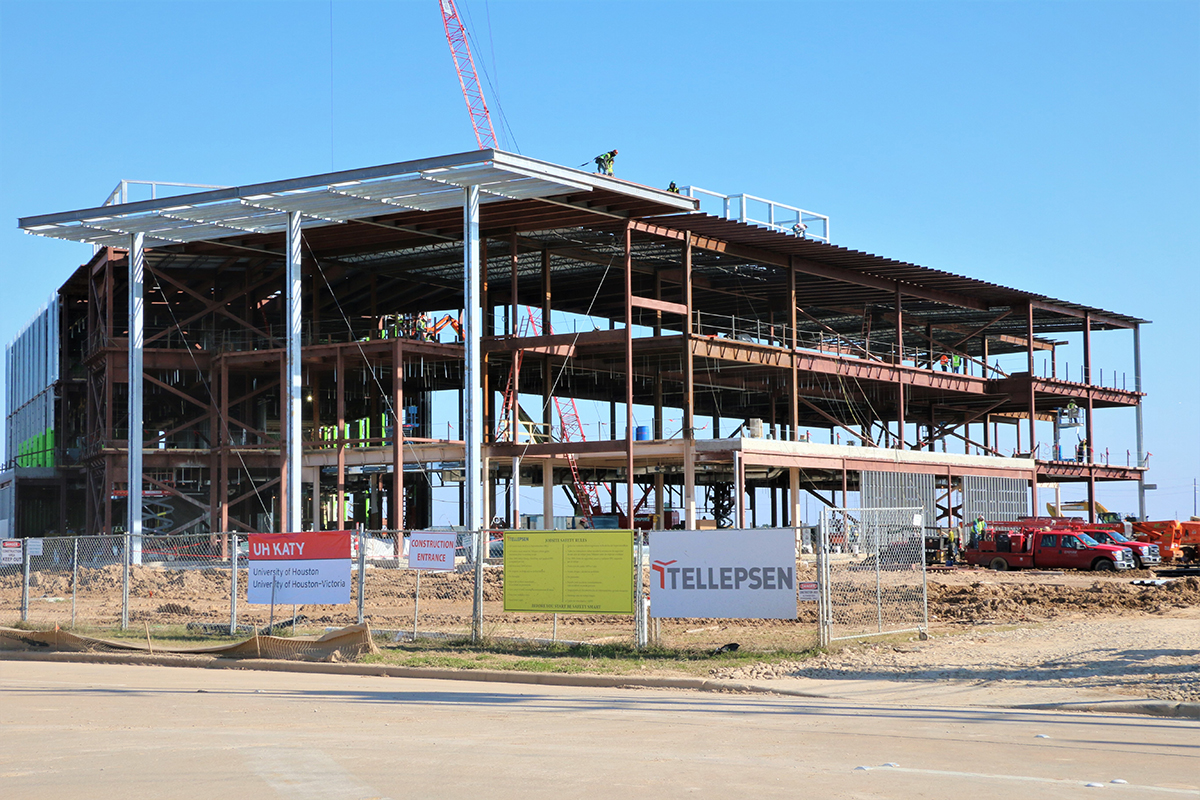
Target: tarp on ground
{"points": [[343, 644]]}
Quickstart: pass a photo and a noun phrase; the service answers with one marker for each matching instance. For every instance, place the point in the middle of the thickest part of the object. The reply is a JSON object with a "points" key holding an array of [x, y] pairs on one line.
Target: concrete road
{"points": [[117, 731]]}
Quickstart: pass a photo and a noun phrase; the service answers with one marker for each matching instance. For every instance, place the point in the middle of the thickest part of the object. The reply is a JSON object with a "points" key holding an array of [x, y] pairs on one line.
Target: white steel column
{"points": [[137, 315], [473, 476], [1141, 444], [292, 390]]}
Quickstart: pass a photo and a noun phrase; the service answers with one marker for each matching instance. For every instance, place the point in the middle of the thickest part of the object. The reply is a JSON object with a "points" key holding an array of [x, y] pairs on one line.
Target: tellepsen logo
{"points": [[729, 578]]}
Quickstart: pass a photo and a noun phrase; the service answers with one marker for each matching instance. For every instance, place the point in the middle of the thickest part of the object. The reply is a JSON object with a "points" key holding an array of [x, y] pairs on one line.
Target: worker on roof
{"points": [[604, 162], [799, 228], [673, 189]]}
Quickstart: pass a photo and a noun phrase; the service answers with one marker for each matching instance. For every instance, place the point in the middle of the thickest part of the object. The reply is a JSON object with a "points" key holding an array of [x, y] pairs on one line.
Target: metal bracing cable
{"points": [[222, 421], [397, 422]]}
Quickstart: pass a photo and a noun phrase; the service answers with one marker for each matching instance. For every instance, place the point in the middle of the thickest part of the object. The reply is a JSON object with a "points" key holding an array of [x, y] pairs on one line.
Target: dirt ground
{"points": [[1087, 629], [1079, 630]]}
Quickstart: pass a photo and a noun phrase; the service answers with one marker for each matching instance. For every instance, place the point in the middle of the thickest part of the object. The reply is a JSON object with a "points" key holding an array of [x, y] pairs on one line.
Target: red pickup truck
{"points": [[1054, 548], [1144, 553]]}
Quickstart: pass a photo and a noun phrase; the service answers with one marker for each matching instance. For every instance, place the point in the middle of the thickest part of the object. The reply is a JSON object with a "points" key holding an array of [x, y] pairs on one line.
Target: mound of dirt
{"points": [[1004, 602]]}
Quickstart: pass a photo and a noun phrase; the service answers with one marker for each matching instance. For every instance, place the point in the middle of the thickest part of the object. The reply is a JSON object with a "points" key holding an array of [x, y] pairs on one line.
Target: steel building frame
{"points": [[258, 298]]}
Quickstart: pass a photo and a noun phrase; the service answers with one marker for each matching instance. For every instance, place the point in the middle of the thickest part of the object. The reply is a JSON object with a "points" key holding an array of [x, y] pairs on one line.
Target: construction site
{"points": [[355, 348]]}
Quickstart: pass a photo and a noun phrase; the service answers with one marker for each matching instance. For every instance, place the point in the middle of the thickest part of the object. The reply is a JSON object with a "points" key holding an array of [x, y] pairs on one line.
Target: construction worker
{"points": [[978, 529], [673, 189], [799, 228], [952, 547], [945, 362], [604, 162], [955, 363], [1081, 450]]}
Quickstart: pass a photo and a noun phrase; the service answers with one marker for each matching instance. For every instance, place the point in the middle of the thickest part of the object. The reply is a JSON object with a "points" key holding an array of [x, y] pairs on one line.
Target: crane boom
{"points": [[456, 35]]}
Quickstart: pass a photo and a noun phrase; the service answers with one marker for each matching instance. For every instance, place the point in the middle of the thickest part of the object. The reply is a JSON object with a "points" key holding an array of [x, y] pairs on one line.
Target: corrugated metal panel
{"points": [[31, 369], [900, 490], [1002, 499]]}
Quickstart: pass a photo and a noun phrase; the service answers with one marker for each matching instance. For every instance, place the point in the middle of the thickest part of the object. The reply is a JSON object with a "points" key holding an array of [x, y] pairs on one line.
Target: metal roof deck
{"points": [[426, 185]]}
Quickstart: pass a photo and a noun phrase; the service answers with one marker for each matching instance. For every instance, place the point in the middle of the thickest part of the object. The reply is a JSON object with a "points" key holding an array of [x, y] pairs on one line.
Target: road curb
{"points": [[1154, 708], [382, 670]]}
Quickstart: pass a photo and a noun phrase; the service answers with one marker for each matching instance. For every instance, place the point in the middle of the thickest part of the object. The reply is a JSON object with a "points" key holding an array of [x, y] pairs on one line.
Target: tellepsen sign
{"points": [[431, 550], [301, 568], [724, 574]]}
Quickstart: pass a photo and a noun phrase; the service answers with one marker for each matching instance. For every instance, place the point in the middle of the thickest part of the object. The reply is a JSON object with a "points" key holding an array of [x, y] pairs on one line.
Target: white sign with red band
{"points": [[300, 568], [431, 550], [10, 552], [723, 574]]}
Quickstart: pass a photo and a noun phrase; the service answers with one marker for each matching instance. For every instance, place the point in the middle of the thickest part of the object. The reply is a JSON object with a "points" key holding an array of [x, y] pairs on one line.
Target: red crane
{"points": [[456, 35]]}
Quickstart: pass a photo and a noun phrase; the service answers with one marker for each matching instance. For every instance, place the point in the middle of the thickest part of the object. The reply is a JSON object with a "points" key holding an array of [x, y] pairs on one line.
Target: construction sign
{"points": [[573, 572], [299, 568], [11, 552], [724, 574], [431, 550]]}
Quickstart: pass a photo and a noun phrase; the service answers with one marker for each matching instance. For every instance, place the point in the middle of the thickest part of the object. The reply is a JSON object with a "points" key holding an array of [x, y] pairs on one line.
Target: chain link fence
{"points": [[198, 583], [871, 572]]}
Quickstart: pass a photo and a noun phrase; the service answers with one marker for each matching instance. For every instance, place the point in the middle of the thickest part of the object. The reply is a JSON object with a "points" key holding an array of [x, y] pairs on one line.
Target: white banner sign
{"points": [[431, 550], [724, 574], [300, 568]]}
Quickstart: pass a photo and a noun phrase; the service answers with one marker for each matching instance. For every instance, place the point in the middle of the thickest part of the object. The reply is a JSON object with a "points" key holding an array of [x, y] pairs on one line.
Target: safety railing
{"points": [[759, 211]]}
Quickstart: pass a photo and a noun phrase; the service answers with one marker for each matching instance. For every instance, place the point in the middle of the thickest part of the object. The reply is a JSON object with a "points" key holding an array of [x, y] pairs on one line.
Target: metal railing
{"points": [[755, 210]]}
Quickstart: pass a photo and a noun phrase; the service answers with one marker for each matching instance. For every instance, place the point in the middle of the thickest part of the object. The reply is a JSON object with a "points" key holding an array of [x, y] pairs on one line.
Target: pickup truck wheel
{"points": [[1103, 565], [999, 564]]}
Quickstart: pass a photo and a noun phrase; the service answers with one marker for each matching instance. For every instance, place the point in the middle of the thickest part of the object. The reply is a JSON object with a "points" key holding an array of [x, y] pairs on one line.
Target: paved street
{"points": [[108, 731]]}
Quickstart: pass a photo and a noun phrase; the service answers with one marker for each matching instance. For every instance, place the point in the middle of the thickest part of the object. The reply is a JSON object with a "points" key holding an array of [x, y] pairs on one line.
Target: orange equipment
{"points": [[1175, 539]]}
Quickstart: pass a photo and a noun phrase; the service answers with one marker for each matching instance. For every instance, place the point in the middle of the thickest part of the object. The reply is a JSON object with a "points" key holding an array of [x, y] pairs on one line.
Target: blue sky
{"points": [[1051, 146]]}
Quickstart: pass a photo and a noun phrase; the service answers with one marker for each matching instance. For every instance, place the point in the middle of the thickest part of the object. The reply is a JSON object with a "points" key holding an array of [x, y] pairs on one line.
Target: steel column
{"points": [[899, 373], [473, 476], [292, 390], [1089, 409], [135, 435], [1141, 444], [397, 506], [629, 509]]}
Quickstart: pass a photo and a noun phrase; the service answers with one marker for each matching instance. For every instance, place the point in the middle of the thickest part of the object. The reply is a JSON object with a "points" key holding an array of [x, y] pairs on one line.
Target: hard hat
{"points": [[614, 152]]}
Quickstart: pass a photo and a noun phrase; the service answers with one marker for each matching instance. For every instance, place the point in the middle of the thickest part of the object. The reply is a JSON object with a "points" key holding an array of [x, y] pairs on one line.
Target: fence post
{"points": [[24, 580], [362, 573], [821, 546], [126, 541], [74, 575], [233, 583]]}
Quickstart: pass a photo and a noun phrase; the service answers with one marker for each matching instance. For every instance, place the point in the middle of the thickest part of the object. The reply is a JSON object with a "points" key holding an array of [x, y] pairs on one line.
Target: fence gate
{"points": [[871, 568]]}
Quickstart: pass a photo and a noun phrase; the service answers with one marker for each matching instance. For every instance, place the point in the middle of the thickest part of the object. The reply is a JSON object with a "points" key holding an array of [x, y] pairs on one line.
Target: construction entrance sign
{"points": [[299, 568], [581, 572]]}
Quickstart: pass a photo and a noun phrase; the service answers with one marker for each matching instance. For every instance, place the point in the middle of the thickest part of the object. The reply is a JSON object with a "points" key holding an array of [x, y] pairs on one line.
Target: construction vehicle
{"points": [[1145, 554], [1014, 545], [1102, 514], [1175, 540]]}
